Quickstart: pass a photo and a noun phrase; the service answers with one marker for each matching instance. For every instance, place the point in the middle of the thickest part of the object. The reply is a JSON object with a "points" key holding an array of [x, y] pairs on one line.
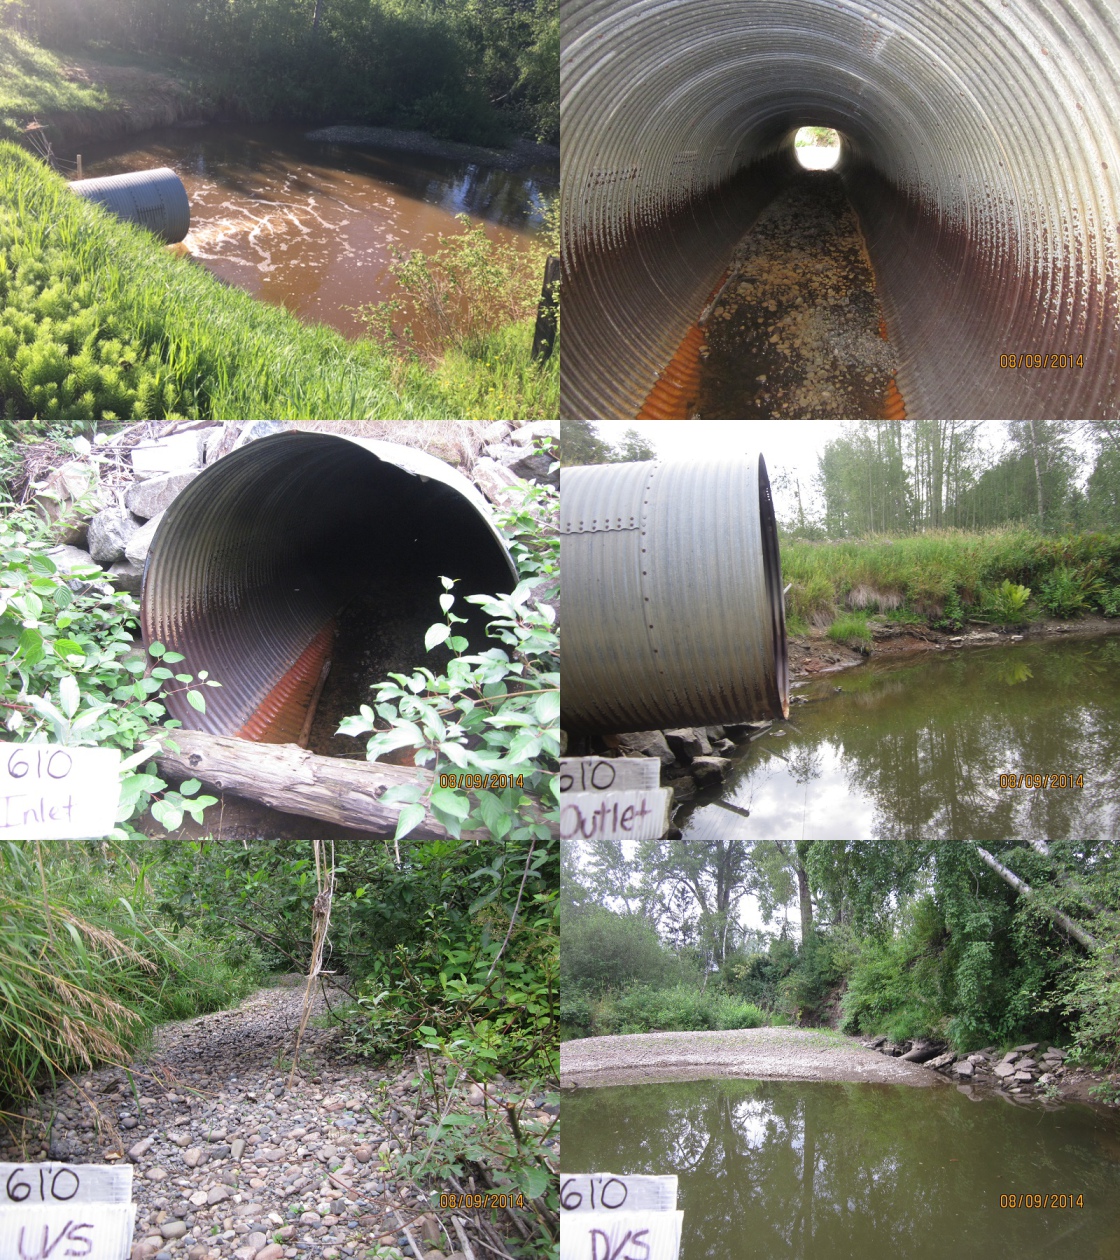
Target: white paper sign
{"points": [[641, 815], [59, 1184], [598, 1192], [607, 774], [52, 793], [620, 1235], [78, 1231]]}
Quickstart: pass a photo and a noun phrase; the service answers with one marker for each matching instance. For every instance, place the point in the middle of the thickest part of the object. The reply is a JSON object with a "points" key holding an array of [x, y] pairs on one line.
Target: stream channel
{"points": [[830, 1171], [310, 225], [913, 750]]}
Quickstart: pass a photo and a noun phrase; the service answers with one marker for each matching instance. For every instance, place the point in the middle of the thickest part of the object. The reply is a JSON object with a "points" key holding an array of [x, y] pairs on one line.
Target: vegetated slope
{"points": [[98, 321]]}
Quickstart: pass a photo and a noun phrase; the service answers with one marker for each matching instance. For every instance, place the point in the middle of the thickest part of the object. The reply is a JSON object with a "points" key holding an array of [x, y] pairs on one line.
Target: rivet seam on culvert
{"points": [[981, 152]]}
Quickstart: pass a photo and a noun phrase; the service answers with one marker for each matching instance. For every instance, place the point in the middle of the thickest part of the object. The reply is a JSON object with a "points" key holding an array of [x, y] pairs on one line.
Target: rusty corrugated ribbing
{"points": [[256, 559], [280, 717], [980, 150]]}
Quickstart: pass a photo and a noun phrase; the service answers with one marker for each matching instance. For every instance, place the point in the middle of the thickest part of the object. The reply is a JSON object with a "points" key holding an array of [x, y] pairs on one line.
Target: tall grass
{"points": [[33, 81], [99, 322], [930, 575], [85, 971]]}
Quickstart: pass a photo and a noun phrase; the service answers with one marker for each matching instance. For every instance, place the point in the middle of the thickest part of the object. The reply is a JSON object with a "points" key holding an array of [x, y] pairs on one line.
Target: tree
{"points": [[580, 443]]}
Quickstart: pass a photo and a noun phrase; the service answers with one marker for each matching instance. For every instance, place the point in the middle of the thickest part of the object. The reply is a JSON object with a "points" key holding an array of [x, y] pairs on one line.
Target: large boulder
{"points": [[109, 534], [494, 480], [707, 770], [154, 495], [646, 744], [138, 544], [688, 742], [177, 453]]}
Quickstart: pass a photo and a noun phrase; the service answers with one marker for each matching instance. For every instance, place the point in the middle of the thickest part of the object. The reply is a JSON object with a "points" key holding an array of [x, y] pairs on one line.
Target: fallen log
{"points": [[288, 778]]}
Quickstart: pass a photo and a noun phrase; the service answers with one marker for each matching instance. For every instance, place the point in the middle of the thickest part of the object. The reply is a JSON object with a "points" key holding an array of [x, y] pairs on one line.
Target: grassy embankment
{"points": [[948, 579], [99, 322]]}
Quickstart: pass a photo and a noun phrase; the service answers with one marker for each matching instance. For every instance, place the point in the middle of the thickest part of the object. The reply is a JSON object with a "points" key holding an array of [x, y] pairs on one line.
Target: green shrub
{"points": [[1067, 592], [602, 950], [683, 1008], [1008, 603]]}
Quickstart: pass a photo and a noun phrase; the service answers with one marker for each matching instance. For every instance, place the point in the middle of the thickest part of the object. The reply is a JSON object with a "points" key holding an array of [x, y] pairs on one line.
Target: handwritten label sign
{"points": [[54, 1184], [640, 815], [620, 1235], [596, 1192], [609, 774], [79, 1231], [52, 793]]}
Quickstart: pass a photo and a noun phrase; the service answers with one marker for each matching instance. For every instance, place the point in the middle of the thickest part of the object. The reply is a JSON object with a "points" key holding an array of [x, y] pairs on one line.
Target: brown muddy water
{"points": [[799, 1170], [311, 225]]}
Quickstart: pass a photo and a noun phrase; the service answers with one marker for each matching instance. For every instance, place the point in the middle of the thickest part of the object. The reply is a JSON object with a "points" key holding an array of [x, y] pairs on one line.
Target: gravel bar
{"points": [[795, 1054]]}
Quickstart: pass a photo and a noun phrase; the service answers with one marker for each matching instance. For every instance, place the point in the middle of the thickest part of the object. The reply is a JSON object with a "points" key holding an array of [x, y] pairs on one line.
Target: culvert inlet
{"points": [[305, 566], [980, 151]]}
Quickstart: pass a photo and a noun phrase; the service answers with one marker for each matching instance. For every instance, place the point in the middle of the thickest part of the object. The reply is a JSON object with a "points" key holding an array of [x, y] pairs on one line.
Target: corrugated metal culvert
{"points": [[981, 152], [254, 567], [153, 199], [674, 612]]}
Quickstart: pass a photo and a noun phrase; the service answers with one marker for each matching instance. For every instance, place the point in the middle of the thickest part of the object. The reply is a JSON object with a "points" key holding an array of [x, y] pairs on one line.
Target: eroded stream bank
{"points": [[312, 225], [795, 330]]}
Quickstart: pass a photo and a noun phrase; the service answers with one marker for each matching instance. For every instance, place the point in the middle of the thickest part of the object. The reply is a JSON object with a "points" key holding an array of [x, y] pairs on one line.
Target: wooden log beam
{"points": [[288, 778]]}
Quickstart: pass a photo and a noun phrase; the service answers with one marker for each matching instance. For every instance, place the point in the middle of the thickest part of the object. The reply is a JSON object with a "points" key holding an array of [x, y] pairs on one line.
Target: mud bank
{"points": [[813, 654]]}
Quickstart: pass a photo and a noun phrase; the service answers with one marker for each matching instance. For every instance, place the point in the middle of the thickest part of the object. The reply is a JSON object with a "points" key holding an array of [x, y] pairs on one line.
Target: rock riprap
{"points": [[231, 1163]]}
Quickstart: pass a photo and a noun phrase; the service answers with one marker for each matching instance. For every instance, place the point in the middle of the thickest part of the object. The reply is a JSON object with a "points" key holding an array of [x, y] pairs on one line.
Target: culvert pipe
{"points": [[258, 559], [673, 590], [981, 152], [155, 199]]}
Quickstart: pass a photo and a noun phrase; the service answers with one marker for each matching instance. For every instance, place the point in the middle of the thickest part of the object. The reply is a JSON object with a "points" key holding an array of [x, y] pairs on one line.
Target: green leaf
{"points": [[161, 673], [31, 646], [547, 708], [69, 695], [196, 700], [445, 601], [173, 657], [492, 811], [451, 802], [408, 820], [64, 648], [42, 564], [190, 787], [167, 815], [457, 643], [448, 583], [436, 635], [156, 649]]}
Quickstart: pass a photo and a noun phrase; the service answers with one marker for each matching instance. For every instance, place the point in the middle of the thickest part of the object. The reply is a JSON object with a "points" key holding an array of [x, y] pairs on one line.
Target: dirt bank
{"points": [[815, 653], [521, 154], [796, 1054]]}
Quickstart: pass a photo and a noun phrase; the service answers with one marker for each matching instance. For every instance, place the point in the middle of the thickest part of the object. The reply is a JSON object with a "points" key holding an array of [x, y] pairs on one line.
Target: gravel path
{"points": [[797, 1054], [230, 1163]]}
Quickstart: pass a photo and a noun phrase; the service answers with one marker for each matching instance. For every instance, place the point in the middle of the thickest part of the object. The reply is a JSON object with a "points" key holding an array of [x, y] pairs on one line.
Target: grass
{"points": [[98, 322], [33, 82], [644, 1008], [947, 577], [85, 972], [852, 630]]}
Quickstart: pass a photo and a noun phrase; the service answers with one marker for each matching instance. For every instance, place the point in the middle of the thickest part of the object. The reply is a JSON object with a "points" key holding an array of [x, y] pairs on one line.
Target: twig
{"points": [[516, 908], [464, 1242], [411, 1241]]}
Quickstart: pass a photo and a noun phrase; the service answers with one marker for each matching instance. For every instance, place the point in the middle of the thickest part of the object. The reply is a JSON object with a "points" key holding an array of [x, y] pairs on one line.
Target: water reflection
{"points": [[823, 1171], [916, 749], [312, 225]]}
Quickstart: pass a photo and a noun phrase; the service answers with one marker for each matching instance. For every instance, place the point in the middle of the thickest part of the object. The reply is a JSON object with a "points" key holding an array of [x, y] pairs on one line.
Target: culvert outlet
{"points": [[980, 150], [155, 199], [673, 590], [304, 548]]}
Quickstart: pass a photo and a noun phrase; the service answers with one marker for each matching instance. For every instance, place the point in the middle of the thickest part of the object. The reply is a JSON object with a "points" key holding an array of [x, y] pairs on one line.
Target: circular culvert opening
{"points": [[816, 148], [304, 549]]}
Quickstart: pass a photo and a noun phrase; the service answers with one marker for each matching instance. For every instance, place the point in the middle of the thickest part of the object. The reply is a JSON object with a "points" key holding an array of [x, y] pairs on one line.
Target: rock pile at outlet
{"points": [[1023, 1070]]}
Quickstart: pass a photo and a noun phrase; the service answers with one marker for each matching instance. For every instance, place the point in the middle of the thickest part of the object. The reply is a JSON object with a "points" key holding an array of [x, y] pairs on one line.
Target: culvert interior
{"points": [[304, 567], [980, 160]]}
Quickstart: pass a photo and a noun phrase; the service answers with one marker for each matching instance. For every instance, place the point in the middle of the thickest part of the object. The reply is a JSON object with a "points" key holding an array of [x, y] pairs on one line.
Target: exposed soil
{"points": [[814, 653], [797, 331], [521, 154], [796, 1054]]}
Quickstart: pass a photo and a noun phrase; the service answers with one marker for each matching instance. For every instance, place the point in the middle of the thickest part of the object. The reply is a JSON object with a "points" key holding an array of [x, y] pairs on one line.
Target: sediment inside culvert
{"points": [[797, 329], [977, 148]]}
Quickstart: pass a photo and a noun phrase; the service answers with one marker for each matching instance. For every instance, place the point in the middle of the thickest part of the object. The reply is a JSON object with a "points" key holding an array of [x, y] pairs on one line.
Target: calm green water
{"points": [[914, 750], [823, 1171]]}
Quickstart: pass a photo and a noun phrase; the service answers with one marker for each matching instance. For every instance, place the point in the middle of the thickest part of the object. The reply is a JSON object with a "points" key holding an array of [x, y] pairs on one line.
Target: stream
{"points": [[828, 1171], [914, 749], [311, 225]]}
